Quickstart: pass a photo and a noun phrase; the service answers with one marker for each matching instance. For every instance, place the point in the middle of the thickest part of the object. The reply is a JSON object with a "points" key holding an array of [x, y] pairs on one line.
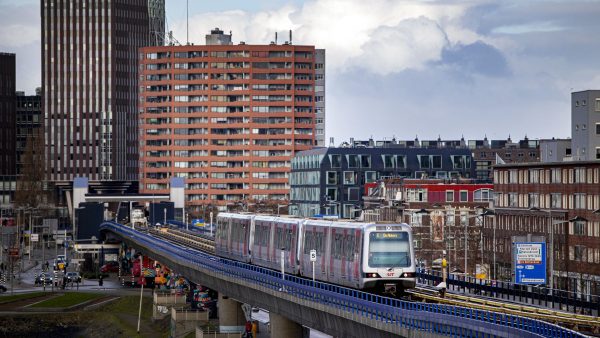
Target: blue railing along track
{"points": [[404, 314]]}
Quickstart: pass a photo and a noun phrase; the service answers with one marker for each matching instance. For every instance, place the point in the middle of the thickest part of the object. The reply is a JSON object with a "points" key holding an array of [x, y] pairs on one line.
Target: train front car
{"points": [[388, 259]]}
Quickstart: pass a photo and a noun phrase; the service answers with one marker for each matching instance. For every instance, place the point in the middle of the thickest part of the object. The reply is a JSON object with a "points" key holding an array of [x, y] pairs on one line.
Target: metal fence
{"points": [[436, 318], [534, 295]]}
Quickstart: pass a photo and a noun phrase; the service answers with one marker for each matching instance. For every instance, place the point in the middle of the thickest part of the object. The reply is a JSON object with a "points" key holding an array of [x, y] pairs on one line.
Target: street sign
{"points": [[530, 263], [313, 255], [35, 237]]}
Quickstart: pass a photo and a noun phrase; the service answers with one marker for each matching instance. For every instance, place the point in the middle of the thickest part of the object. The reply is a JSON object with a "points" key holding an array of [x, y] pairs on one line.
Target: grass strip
{"points": [[23, 296], [67, 300]]}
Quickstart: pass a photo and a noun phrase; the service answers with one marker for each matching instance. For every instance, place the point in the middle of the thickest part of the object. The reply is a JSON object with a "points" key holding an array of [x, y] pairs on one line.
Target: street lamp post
{"points": [[1, 236], [419, 226], [466, 237], [551, 224], [484, 214]]}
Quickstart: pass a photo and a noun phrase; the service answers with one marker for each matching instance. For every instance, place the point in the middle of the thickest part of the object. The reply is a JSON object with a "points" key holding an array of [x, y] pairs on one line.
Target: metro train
{"points": [[367, 256]]}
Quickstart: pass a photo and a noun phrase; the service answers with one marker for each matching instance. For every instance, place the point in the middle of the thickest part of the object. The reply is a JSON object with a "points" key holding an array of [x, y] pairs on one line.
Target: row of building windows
{"points": [[550, 201], [229, 54], [547, 176], [536, 224]]}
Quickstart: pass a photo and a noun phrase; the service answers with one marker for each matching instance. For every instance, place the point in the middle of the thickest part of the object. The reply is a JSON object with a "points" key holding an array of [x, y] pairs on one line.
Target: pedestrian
{"points": [[254, 328], [100, 281], [248, 330]]}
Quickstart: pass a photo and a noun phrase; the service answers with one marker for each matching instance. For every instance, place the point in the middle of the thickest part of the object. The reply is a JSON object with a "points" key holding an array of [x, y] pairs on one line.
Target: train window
{"points": [[319, 243], [306, 242], [266, 235], [349, 247], [337, 246], [277, 237], [288, 240], [258, 235]]}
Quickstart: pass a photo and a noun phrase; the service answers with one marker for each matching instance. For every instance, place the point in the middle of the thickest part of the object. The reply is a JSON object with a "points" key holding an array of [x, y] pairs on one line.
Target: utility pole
{"points": [[30, 233], [65, 245], [1, 236], [466, 243]]}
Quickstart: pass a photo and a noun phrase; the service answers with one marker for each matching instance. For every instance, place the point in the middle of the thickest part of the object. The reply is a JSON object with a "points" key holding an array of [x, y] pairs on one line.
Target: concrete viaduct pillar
{"points": [[283, 327], [231, 316]]}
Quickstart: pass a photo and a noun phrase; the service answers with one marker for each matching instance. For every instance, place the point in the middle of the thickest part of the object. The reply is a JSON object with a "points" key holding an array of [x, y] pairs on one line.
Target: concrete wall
{"points": [[584, 117]]}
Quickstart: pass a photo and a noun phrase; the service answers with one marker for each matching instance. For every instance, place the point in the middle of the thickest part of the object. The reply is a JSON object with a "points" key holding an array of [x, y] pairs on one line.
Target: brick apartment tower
{"points": [[7, 117], [227, 118], [90, 87]]}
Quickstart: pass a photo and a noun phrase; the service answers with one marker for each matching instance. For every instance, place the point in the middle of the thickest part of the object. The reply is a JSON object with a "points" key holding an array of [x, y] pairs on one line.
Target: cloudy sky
{"points": [[402, 67]]}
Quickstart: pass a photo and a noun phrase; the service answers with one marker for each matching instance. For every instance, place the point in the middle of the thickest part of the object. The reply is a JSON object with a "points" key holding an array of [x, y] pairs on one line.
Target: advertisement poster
{"points": [[437, 226]]}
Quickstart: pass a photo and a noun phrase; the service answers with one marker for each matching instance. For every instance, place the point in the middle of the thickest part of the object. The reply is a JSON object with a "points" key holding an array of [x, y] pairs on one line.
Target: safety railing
{"points": [[528, 294], [404, 314]]}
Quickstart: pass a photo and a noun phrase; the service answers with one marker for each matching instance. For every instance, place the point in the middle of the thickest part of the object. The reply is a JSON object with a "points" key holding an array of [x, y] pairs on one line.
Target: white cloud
{"points": [[409, 45], [379, 35]]}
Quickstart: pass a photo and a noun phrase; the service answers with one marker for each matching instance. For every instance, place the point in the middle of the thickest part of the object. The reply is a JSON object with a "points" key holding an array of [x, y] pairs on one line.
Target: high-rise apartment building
{"points": [[320, 97], [90, 84], [585, 125], [227, 118]]}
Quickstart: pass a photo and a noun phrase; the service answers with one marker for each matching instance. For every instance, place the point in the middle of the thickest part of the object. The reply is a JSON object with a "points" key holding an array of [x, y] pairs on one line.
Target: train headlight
{"points": [[408, 275], [372, 275]]}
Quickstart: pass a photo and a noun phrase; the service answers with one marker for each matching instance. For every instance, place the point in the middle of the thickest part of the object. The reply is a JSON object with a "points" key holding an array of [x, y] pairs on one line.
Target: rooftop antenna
{"points": [[290, 36], [275, 37], [187, 22]]}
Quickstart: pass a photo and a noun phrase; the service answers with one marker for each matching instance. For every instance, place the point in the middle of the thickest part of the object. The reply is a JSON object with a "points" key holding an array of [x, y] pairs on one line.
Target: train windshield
{"points": [[389, 249]]}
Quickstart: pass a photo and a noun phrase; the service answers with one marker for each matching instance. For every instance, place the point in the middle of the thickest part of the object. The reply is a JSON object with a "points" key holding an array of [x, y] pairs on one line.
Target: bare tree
{"points": [[30, 185]]}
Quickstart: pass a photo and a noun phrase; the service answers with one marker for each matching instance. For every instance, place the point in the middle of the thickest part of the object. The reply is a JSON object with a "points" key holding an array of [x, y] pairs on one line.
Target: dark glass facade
{"points": [[89, 79], [331, 180]]}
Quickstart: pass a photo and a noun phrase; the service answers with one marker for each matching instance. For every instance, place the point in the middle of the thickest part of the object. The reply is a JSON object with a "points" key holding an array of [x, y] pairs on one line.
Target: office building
{"points": [[29, 126], [226, 117], [7, 128], [90, 84], [331, 181], [585, 125], [558, 201], [7, 114]]}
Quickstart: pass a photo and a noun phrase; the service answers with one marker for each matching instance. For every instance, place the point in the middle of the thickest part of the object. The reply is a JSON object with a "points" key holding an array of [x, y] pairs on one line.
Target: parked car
{"points": [[2, 288], [43, 278], [73, 277], [110, 267]]}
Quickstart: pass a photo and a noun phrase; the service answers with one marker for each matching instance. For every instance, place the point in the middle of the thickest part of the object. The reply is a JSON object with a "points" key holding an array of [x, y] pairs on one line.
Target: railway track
{"points": [[193, 241], [581, 323]]}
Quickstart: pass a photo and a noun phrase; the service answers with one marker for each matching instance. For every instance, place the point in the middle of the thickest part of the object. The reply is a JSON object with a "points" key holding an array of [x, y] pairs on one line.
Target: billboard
{"points": [[530, 262], [198, 222]]}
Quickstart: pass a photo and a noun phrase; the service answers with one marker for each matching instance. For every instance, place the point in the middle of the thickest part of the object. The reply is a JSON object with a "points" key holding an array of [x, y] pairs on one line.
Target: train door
{"points": [[336, 242], [260, 248], [356, 255], [245, 238], [324, 243], [250, 239]]}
